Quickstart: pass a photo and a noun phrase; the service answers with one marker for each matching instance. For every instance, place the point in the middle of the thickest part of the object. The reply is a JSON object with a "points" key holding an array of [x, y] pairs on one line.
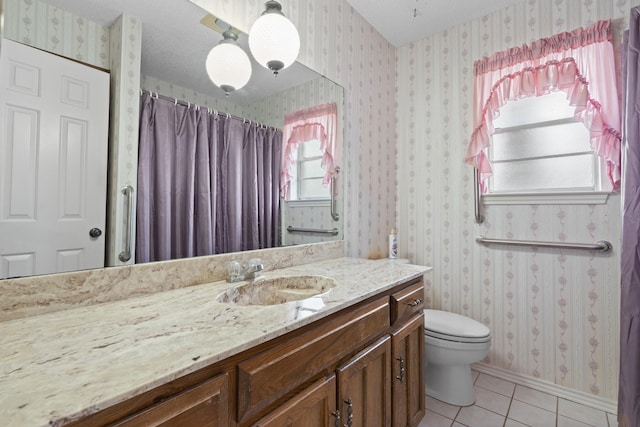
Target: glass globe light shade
{"points": [[228, 66], [274, 40]]}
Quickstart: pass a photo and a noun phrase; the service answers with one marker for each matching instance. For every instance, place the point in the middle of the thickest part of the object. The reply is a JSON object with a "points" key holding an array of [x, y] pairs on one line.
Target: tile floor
{"points": [[501, 403]]}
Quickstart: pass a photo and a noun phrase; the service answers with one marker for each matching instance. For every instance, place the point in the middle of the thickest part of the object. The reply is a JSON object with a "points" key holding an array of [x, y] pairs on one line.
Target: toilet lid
{"points": [[443, 324]]}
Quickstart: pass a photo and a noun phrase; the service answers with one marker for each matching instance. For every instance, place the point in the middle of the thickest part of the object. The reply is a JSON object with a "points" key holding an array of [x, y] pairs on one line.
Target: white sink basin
{"points": [[277, 290]]}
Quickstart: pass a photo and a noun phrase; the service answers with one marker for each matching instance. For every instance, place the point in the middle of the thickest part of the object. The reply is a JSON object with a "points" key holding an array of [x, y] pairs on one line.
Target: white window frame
{"points": [[597, 194], [296, 181]]}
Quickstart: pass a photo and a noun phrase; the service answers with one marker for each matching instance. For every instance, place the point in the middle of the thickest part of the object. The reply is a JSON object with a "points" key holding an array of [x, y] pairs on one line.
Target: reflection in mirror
{"points": [[174, 46]]}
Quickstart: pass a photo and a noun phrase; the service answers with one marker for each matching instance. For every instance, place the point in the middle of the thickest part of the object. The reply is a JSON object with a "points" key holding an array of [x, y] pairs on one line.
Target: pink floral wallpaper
{"points": [[553, 313]]}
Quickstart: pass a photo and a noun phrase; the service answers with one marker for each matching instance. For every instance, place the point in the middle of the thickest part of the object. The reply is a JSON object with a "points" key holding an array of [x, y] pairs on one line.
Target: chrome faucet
{"points": [[246, 272]]}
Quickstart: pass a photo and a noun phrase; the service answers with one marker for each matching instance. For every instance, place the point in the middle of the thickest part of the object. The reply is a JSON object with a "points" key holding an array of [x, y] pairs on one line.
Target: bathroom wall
{"points": [[553, 313], [338, 43]]}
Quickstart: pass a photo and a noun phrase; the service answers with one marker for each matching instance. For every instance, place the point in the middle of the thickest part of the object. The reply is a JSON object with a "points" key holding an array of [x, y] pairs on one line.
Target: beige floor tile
{"points": [[512, 423], [441, 408], [531, 415], [475, 416], [492, 401], [613, 420], [570, 422], [495, 384], [536, 398], [578, 412], [431, 419]]}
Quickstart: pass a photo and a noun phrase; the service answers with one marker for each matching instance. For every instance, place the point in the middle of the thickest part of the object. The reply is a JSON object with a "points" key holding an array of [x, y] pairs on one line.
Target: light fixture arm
{"points": [[272, 6], [229, 37]]}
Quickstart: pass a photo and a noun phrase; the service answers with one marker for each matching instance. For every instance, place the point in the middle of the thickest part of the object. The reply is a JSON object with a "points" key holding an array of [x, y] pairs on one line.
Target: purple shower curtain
{"points": [[629, 384], [206, 183]]}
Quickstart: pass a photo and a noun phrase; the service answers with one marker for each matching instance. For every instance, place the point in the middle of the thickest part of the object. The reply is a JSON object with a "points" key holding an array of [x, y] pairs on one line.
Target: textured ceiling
{"points": [[404, 21]]}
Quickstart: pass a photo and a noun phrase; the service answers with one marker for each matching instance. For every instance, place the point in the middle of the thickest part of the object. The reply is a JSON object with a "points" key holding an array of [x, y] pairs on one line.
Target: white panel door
{"points": [[54, 121]]}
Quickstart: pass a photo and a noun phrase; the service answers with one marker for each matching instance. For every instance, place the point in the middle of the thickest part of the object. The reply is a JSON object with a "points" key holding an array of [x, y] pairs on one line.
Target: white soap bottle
{"points": [[393, 244]]}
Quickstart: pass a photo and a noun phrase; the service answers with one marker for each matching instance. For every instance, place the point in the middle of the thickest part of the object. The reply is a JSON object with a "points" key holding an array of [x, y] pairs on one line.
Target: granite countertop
{"points": [[57, 367]]}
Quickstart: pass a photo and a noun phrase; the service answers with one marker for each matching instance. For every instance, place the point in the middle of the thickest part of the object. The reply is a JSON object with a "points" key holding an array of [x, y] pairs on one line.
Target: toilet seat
{"points": [[454, 327]]}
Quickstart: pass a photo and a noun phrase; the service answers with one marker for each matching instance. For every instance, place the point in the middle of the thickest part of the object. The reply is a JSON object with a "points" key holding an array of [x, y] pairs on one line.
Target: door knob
{"points": [[95, 232]]}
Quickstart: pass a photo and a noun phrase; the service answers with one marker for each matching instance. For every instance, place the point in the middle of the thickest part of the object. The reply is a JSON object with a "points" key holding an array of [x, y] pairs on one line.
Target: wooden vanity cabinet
{"points": [[362, 364]]}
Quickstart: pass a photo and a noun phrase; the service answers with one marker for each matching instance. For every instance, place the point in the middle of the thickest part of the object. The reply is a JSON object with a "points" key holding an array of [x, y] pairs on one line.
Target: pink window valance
{"points": [[319, 122], [580, 63]]}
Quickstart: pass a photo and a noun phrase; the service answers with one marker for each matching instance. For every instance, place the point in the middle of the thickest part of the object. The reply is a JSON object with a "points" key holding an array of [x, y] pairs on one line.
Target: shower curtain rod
{"points": [[209, 109], [601, 246]]}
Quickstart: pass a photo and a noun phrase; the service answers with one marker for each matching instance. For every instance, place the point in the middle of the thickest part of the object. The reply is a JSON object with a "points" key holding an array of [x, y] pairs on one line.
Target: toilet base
{"points": [[452, 384]]}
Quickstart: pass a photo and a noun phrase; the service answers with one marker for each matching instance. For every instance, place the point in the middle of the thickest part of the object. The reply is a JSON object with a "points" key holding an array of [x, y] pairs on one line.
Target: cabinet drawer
{"points": [[408, 301], [203, 405], [273, 373]]}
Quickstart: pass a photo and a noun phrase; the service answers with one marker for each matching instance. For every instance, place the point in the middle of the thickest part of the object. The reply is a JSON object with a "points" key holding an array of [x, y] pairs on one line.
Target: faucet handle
{"points": [[255, 265]]}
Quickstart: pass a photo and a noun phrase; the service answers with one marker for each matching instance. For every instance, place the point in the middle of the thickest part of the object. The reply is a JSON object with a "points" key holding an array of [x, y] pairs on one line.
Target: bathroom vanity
{"points": [[351, 355]]}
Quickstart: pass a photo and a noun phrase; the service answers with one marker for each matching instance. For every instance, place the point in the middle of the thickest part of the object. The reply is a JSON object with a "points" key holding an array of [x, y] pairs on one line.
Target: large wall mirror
{"points": [[176, 38]]}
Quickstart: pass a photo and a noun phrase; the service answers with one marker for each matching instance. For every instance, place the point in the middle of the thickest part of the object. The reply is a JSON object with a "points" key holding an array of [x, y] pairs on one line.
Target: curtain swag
{"points": [[318, 122], [580, 63]]}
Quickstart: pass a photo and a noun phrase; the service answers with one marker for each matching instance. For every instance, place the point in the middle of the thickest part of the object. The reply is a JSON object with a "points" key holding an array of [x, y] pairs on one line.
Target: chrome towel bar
{"points": [[601, 246], [125, 255], [333, 231], [332, 190]]}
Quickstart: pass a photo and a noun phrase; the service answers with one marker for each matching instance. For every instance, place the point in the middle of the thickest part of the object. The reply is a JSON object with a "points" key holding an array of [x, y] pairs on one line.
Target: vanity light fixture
{"points": [[273, 39], [228, 66]]}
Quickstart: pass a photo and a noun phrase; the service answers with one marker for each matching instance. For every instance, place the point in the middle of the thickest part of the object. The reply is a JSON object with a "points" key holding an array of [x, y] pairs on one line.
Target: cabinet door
{"points": [[364, 387], [204, 405], [314, 407], [407, 347]]}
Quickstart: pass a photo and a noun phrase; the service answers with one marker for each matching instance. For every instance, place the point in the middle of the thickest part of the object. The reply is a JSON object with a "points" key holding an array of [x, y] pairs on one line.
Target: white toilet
{"points": [[451, 344]]}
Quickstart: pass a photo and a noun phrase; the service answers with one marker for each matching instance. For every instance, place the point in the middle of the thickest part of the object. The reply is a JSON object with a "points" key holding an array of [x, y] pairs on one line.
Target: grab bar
{"points": [[333, 231], [125, 255], [601, 246], [334, 213], [477, 197]]}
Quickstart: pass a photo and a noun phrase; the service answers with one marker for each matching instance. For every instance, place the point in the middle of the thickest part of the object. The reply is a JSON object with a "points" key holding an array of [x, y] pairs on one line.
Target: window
{"points": [[546, 120], [307, 175], [538, 146], [309, 160]]}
